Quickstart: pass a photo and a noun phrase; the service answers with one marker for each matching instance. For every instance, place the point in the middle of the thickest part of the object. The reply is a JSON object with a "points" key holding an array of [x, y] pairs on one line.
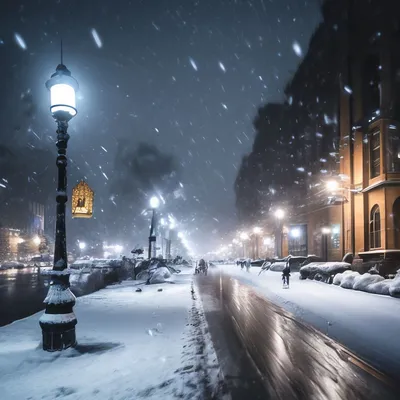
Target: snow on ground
{"points": [[131, 345], [368, 324]]}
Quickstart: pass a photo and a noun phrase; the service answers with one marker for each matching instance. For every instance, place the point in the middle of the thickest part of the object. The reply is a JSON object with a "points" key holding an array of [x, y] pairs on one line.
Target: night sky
{"points": [[182, 78]]}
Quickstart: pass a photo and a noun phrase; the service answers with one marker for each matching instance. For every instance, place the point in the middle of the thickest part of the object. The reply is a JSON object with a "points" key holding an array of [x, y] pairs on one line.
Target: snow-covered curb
{"points": [[131, 345], [368, 283]]}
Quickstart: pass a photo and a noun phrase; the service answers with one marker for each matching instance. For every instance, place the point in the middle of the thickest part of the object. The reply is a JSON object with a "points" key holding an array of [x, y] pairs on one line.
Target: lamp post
{"points": [[279, 215], [82, 246], [59, 321], [244, 236], [154, 203], [325, 233], [256, 230]]}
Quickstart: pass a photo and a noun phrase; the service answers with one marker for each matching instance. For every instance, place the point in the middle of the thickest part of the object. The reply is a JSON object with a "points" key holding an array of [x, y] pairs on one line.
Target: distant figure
{"points": [[286, 275], [248, 265]]}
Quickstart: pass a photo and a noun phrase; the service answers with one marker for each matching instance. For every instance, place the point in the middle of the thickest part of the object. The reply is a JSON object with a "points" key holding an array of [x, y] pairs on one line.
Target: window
{"points": [[375, 228], [375, 154]]}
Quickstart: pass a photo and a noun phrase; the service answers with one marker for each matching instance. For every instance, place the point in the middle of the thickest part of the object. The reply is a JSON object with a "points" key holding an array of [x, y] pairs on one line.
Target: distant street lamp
{"points": [[256, 230], [279, 215], [325, 233], [36, 240], [82, 245], [59, 321], [244, 237], [154, 204]]}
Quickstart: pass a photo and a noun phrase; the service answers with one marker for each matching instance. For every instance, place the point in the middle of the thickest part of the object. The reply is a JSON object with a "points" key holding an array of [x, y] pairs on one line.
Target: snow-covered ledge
{"points": [[59, 295]]}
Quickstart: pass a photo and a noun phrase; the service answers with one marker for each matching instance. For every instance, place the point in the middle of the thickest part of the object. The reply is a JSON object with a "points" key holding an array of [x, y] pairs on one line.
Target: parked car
{"points": [[257, 263], [12, 265]]}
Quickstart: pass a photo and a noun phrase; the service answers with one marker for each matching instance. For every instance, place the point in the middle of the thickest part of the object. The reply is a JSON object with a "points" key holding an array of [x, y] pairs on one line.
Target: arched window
{"points": [[375, 228]]}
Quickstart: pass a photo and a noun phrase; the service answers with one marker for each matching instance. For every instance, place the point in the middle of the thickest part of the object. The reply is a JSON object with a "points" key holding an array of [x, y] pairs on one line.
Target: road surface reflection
{"points": [[295, 361]]}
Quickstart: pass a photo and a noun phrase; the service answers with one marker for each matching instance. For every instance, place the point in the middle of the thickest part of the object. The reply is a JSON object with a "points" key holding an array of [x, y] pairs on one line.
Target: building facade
{"points": [[342, 137]]}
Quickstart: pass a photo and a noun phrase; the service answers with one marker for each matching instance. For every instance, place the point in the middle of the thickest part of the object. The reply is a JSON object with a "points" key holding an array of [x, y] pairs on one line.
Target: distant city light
{"points": [[82, 245]]}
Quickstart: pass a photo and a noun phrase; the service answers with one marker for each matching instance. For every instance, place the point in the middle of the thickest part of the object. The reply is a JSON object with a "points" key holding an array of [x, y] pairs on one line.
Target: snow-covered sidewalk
{"points": [[368, 324], [131, 345]]}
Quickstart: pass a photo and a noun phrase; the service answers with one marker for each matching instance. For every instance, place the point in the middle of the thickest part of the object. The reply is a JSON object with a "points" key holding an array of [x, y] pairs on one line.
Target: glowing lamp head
{"points": [[332, 185], [279, 213], [154, 202], [257, 230], [244, 236], [63, 88], [82, 245]]}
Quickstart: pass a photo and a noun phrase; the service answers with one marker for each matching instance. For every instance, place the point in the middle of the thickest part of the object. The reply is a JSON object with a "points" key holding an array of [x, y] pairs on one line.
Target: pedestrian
{"points": [[286, 275], [248, 265]]}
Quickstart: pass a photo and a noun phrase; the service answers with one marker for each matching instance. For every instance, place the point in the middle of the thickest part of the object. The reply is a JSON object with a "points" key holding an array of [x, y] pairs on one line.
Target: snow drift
{"points": [[370, 283]]}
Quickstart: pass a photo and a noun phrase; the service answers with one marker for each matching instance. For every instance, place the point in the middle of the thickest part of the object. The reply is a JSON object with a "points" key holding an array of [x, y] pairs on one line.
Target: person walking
{"points": [[286, 275]]}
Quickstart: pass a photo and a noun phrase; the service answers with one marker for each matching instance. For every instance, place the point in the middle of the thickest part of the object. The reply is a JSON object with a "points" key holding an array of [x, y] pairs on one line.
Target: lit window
{"points": [[375, 228]]}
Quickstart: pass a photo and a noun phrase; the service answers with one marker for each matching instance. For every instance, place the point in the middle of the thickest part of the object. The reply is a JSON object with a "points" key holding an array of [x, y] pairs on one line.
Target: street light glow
{"points": [[82, 245], [332, 185], [257, 230], [244, 236], [154, 202], [326, 230], [37, 240], [279, 213]]}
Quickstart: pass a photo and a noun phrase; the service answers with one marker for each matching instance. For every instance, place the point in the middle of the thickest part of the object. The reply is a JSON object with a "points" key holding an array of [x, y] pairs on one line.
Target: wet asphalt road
{"points": [[22, 292], [266, 354]]}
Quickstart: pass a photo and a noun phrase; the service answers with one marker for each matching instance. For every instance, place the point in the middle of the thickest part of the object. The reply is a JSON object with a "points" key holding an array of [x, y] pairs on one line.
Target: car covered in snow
{"points": [[12, 265]]}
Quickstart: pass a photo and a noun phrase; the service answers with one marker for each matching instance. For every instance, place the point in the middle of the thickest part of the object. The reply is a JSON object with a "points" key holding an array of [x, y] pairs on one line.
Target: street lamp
{"points": [[82, 245], [244, 236], [279, 215], [154, 204], [325, 233], [59, 321], [36, 240], [256, 230]]}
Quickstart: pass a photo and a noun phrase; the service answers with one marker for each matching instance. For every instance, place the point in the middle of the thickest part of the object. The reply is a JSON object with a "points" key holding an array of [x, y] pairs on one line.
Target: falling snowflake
{"points": [[96, 38], [222, 66], [105, 176], [297, 49], [3, 186], [104, 149], [157, 28], [348, 89], [194, 65], [20, 41], [224, 105]]}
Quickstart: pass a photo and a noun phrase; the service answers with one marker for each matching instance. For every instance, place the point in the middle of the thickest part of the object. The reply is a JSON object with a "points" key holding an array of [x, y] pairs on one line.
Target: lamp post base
{"points": [[57, 338]]}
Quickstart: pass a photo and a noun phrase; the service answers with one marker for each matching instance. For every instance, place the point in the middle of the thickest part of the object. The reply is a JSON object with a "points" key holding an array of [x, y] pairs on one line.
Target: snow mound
{"points": [[367, 282], [158, 275], [325, 269]]}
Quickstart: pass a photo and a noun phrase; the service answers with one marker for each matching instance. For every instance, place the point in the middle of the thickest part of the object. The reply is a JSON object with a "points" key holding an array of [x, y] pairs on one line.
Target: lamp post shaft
{"points": [[152, 237], [58, 322]]}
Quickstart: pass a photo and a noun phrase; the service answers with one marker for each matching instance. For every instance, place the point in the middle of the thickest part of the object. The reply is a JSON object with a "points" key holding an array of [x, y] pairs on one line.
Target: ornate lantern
{"points": [[82, 201]]}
